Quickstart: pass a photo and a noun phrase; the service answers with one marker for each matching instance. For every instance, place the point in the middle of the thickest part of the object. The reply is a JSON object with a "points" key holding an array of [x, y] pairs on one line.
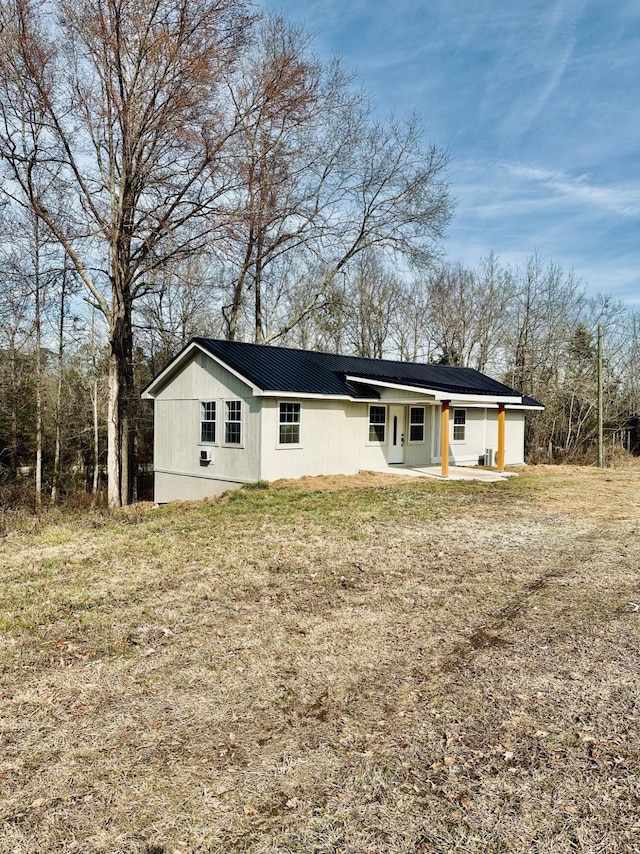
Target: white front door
{"points": [[396, 434]]}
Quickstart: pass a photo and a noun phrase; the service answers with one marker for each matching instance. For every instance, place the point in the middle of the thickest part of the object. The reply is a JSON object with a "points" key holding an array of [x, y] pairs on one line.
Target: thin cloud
{"points": [[535, 101], [621, 200]]}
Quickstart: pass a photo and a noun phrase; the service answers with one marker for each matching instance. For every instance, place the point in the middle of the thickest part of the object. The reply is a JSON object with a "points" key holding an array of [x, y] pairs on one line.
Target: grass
{"points": [[366, 666]]}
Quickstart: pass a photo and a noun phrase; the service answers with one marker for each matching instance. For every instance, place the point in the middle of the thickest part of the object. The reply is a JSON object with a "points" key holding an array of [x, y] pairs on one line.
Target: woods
{"points": [[181, 168]]}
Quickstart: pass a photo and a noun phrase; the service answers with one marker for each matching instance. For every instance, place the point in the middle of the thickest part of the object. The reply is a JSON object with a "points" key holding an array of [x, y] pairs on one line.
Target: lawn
{"points": [[340, 666]]}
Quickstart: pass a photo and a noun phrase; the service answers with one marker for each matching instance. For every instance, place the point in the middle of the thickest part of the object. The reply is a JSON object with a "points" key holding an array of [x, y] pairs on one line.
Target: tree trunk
{"points": [[94, 401], [38, 331], [13, 415], [96, 444], [120, 394], [55, 486]]}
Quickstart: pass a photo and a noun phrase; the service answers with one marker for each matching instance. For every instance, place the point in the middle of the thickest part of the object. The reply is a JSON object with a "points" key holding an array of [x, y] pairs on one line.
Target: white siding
{"points": [[175, 487], [333, 438], [177, 433], [202, 379], [514, 435]]}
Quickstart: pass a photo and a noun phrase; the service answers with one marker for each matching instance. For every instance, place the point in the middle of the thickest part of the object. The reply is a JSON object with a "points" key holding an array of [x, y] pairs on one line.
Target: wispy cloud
{"points": [[536, 101], [622, 200]]}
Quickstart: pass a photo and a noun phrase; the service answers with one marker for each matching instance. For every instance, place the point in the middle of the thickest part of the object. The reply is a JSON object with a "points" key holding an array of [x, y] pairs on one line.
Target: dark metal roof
{"points": [[306, 372], [531, 401]]}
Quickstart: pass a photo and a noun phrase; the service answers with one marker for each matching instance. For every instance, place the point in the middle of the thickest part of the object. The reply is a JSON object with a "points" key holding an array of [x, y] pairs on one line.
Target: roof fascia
{"points": [[443, 395], [394, 386], [303, 395], [154, 386], [486, 399], [515, 406], [528, 407]]}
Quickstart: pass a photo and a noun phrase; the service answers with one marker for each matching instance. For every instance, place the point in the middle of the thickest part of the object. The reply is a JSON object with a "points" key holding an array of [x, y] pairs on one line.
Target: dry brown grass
{"points": [[387, 666]]}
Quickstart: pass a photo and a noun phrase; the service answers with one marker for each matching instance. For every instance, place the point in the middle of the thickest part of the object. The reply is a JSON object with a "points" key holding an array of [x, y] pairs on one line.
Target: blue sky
{"points": [[538, 103]]}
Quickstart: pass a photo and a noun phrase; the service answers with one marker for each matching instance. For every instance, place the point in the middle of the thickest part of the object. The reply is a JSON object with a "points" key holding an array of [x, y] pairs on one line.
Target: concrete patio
{"points": [[455, 472]]}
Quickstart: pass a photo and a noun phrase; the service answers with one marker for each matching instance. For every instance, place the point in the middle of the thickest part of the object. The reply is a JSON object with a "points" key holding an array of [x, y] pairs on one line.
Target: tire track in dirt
{"points": [[488, 633]]}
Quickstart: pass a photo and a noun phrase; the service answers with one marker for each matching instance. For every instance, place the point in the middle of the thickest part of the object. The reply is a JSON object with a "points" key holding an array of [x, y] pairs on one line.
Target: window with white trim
{"points": [[233, 422], [416, 424], [459, 425], [377, 423], [289, 424], [207, 421]]}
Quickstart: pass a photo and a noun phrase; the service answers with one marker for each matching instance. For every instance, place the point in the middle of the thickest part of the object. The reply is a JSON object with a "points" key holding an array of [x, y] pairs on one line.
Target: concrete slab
{"points": [[455, 473]]}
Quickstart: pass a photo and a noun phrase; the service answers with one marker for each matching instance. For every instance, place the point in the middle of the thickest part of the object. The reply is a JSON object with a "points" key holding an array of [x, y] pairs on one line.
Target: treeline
{"points": [[184, 167], [534, 328]]}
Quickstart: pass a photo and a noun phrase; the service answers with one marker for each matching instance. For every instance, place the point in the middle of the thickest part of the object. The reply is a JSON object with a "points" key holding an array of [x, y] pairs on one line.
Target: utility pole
{"points": [[600, 407]]}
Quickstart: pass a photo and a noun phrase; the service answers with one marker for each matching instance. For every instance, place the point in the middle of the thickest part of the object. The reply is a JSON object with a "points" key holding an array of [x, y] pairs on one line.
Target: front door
{"points": [[396, 434]]}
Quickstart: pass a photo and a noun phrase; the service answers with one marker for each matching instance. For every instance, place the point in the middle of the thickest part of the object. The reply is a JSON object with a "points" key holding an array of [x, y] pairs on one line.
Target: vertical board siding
{"points": [[177, 432]]}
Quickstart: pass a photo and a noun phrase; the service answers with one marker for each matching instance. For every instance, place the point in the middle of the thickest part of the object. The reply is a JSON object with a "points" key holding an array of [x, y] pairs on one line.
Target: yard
{"points": [[368, 665]]}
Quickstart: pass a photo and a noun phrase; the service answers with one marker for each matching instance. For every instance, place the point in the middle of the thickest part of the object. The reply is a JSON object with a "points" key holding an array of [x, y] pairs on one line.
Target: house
{"points": [[229, 413]]}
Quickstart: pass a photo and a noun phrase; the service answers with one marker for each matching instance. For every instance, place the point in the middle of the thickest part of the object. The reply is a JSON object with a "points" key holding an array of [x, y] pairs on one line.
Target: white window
{"points": [[208, 421], [233, 422], [289, 433], [377, 423], [459, 425], [416, 424]]}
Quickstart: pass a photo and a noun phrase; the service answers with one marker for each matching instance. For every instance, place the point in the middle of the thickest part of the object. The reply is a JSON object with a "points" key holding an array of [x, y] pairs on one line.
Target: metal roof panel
{"points": [[310, 372]]}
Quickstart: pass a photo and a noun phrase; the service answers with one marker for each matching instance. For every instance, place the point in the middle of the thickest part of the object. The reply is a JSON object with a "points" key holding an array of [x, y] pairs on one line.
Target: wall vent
{"points": [[206, 456]]}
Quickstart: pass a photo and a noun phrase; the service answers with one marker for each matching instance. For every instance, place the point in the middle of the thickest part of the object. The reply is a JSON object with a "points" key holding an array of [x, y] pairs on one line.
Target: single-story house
{"points": [[229, 413]]}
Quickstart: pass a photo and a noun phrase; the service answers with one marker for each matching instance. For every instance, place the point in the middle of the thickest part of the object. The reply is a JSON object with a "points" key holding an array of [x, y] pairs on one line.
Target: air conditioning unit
{"points": [[489, 457], [206, 456]]}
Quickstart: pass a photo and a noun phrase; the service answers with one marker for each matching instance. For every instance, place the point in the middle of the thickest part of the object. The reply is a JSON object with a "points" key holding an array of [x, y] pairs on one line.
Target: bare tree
{"points": [[494, 290], [66, 287], [279, 95], [452, 314], [547, 304], [410, 329], [116, 105], [321, 181], [181, 306], [29, 271], [16, 328], [467, 313], [372, 302]]}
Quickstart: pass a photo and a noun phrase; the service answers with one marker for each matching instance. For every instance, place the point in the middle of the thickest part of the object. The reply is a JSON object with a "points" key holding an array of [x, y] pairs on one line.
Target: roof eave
{"points": [[440, 395], [307, 395], [529, 407]]}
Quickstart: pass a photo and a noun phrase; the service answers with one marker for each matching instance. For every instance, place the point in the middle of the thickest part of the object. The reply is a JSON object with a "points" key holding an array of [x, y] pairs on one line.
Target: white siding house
{"points": [[228, 413]]}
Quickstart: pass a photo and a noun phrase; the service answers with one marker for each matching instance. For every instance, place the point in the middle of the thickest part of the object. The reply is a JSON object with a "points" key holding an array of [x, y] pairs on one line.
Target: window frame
{"points": [[203, 409], [227, 443], [460, 425], [375, 424], [281, 423], [421, 424]]}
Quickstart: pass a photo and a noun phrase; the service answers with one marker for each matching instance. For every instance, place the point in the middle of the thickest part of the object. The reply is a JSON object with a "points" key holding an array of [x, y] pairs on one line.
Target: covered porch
{"points": [[419, 431]]}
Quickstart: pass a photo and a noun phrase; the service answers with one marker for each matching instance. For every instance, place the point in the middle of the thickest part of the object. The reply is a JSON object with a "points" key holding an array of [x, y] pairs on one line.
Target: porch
{"points": [[454, 473]]}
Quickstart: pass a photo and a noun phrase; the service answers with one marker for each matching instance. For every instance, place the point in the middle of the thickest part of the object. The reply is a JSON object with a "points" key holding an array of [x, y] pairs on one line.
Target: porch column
{"points": [[444, 438], [501, 420]]}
